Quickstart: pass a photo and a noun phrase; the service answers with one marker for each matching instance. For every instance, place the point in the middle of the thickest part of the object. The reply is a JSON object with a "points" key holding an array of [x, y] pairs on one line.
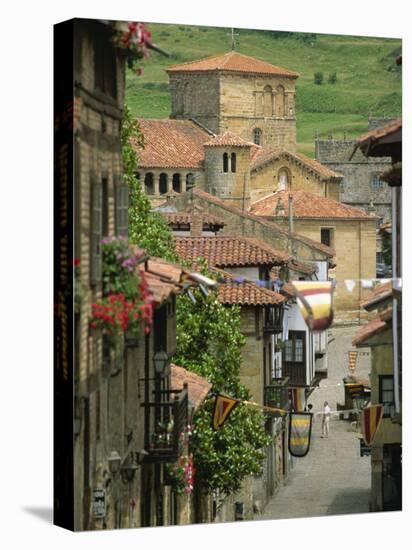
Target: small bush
{"points": [[332, 78], [318, 78]]}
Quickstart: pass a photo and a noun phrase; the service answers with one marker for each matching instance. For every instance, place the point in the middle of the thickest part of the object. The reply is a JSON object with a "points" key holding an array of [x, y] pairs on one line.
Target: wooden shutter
{"points": [[122, 209], [96, 231]]}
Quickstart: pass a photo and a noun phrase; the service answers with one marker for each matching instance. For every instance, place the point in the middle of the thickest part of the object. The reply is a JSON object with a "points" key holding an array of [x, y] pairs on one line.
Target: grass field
{"points": [[368, 80]]}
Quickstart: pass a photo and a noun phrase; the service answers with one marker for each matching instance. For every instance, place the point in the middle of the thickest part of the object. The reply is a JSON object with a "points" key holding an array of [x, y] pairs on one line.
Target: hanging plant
{"points": [[181, 474], [134, 39], [127, 304]]}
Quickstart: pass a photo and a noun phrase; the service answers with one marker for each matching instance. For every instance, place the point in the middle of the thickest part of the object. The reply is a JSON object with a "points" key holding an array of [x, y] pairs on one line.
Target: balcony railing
{"points": [[273, 320], [276, 394], [171, 419]]}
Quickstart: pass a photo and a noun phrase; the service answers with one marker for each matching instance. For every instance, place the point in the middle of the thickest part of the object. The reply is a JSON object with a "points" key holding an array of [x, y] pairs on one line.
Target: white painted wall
{"points": [[251, 273]]}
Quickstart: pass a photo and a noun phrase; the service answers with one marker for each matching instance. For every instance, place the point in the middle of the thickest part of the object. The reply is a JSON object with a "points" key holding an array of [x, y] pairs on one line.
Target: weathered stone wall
{"points": [[243, 107], [265, 180], [356, 188], [251, 370], [355, 245], [197, 96], [232, 187]]}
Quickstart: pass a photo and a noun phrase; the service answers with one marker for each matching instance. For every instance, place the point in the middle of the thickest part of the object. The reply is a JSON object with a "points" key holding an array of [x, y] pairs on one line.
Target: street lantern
{"points": [[160, 360], [114, 461], [128, 470]]}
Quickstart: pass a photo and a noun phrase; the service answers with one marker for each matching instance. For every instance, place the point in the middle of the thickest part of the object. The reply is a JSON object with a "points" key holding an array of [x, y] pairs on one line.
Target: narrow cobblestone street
{"points": [[333, 478]]}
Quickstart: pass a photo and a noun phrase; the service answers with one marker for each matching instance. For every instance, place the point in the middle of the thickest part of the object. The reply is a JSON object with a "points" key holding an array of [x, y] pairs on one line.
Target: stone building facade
{"points": [[237, 93]]}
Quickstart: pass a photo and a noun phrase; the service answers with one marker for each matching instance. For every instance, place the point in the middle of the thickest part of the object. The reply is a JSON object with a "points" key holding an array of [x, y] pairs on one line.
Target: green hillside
{"points": [[368, 80]]}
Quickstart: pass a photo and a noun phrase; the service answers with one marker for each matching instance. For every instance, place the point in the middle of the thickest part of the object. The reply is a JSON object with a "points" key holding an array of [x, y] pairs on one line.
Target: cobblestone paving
{"points": [[333, 478]]}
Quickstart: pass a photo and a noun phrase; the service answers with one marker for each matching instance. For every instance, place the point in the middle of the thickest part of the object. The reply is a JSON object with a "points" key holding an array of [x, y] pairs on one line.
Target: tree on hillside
{"points": [[146, 228], [209, 343]]}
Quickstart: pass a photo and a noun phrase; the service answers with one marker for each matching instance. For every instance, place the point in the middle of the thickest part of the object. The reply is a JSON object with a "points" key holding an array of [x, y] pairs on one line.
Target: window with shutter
{"points": [[122, 208], [96, 232]]}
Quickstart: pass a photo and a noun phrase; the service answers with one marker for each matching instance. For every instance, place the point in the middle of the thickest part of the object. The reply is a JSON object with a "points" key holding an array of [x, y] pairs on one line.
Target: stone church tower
{"points": [[239, 94]]}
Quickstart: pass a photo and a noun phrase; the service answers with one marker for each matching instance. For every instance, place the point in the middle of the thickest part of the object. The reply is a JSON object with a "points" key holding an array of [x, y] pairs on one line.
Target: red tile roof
{"points": [[185, 218], [228, 139], [226, 250], [263, 156], [327, 250], [198, 387], [372, 328], [232, 62], [380, 293], [245, 293], [306, 205], [383, 131], [171, 144]]}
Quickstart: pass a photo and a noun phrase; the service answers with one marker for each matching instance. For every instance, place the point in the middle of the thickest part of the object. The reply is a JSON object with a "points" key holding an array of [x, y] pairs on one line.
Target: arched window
{"points": [[190, 181], [149, 183], [163, 183], [176, 183], [233, 162], [280, 101], [225, 162], [257, 136], [283, 179], [267, 101]]}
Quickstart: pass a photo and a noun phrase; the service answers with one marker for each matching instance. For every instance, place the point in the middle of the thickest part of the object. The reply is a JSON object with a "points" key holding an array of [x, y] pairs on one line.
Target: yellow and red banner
{"points": [[298, 399], [223, 407], [353, 355], [300, 430], [315, 302], [370, 420]]}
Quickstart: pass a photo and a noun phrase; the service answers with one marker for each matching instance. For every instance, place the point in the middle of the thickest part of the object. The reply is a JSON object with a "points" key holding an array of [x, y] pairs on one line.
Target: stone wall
{"points": [[244, 106], [357, 186], [229, 186], [265, 180]]}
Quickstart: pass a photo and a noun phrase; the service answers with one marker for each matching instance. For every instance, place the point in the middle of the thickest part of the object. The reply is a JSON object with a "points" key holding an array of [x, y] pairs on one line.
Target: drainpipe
{"points": [[290, 211], [395, 351]]}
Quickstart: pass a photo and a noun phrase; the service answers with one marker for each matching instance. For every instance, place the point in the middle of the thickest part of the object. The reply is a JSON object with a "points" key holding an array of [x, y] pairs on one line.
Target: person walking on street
{"points": [[325, 420]]}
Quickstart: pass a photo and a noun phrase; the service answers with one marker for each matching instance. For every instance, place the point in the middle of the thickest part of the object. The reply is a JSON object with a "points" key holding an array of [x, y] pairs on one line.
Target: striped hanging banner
{"points": [[223, 407], [353, 355], [300, 429], [370, 420], [315, 302]]}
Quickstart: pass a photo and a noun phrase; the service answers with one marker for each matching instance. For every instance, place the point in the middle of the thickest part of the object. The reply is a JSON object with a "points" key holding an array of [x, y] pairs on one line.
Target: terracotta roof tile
{"points": [[380, 293], [228, 139], [306, 205], [171, 144], [245, 293], [383, 131], [377, 325], [198, 387], [185, 218], [226, 250], [327, 250], [232, 62], [262, 156]]}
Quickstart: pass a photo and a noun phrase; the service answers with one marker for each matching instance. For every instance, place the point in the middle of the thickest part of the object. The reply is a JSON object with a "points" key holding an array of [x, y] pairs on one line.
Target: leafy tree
{"points": [[318, 77], [146, 228], [333, 78], [209, 343]]}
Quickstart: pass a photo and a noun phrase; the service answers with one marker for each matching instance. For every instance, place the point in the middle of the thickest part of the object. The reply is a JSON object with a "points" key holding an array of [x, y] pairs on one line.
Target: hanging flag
{"points": [[300, 429], [353, 355], [223, 407], [370, 420], [367, 283], [350, 284], [315, 302]]}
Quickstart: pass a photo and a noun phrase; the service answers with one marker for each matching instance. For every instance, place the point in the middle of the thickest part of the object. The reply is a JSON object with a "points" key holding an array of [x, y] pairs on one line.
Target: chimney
{"points": [[196, 225]]}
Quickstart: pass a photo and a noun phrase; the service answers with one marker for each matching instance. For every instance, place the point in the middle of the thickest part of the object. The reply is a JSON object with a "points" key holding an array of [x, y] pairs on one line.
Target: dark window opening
{"points": [[163, 183], [176, 183], [294, 351], [225, 162], [190, 181], [233, 162], [377, 183], [105, 207], [386, 394], [105, 65], [326, 236], [149, 183], [96, 220], [122, 209], [257, 136]]}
